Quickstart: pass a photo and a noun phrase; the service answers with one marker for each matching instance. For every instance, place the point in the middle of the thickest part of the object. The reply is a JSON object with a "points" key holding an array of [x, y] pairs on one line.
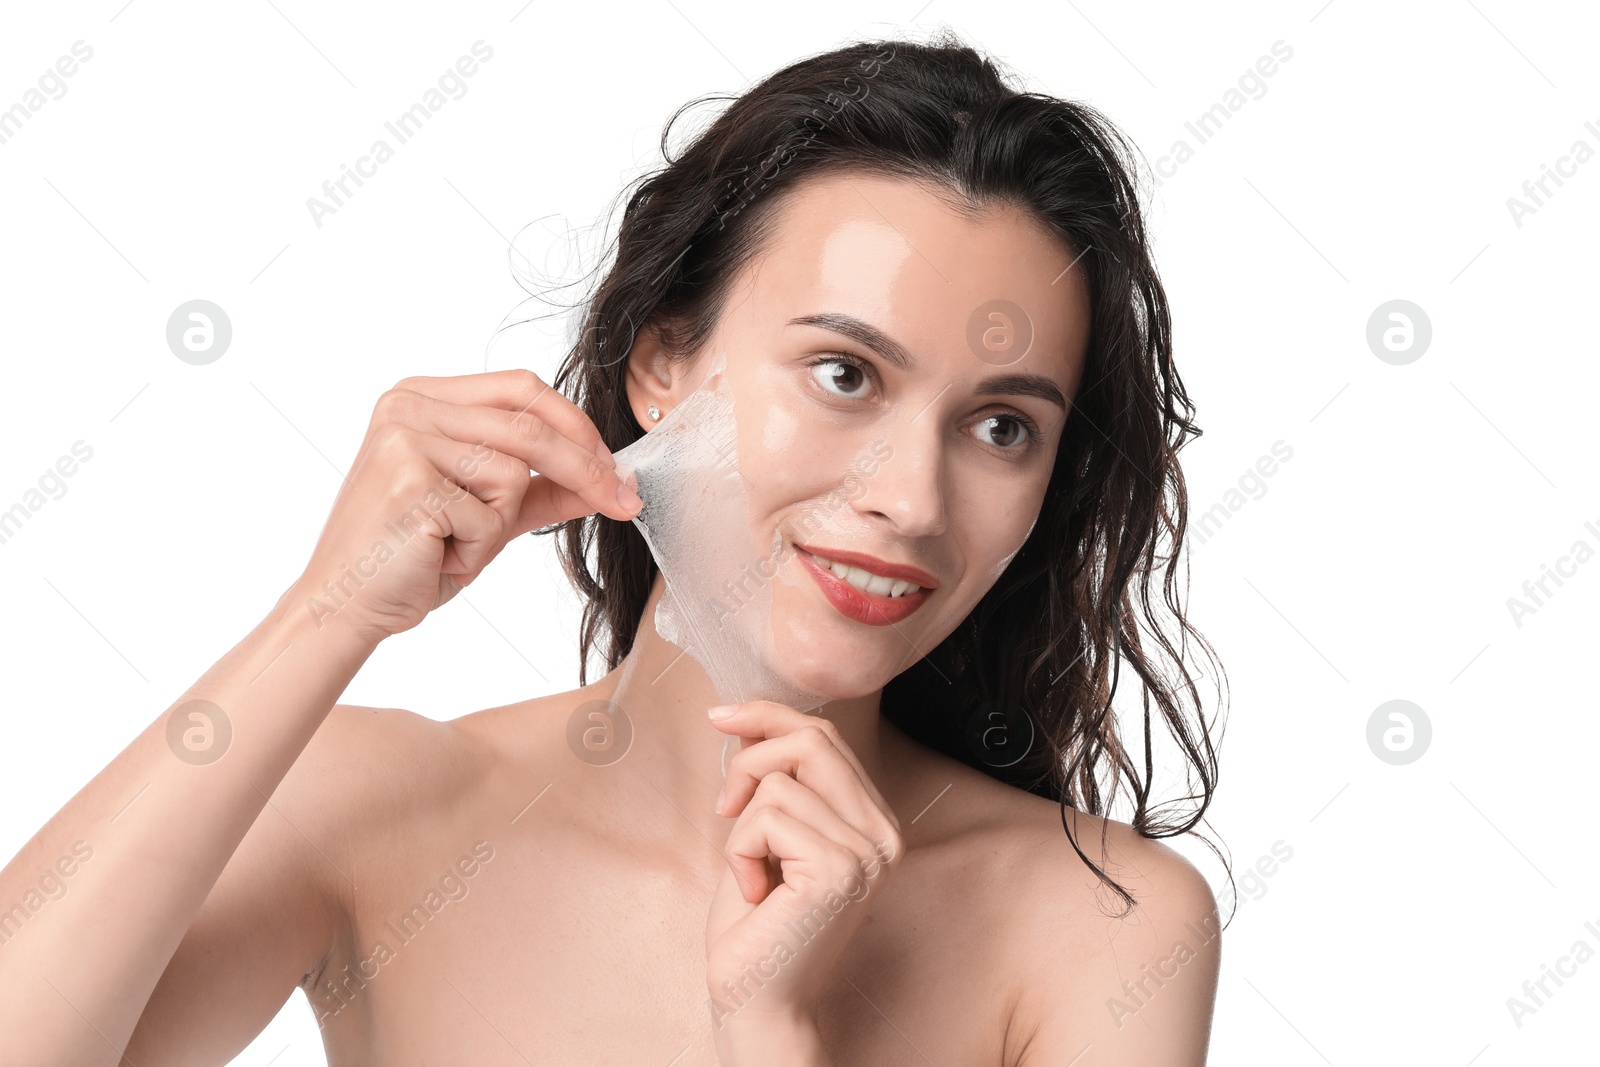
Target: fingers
{"points": [[808, 747], [758, 719], [517, 391], [475, 528], [562, 452], [801, 768], [481, 486], [793, 830], [459, 503], [810, 758]]}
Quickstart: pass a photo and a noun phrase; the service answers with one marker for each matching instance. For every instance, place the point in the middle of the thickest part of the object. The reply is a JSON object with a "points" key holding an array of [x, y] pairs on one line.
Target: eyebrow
{"points": [[864, 333]]}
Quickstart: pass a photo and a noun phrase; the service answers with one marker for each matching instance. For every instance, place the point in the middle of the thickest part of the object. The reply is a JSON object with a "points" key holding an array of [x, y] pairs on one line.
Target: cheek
{"points": [[780, 432], [789, 456], [1018, 527], [994, 526]]}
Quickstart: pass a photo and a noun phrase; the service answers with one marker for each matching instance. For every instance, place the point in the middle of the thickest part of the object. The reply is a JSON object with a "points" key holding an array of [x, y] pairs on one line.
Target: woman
{"points": [[895, 255]]}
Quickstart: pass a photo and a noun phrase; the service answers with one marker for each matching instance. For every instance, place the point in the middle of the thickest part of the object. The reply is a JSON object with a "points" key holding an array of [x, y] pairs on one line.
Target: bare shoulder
{"points": [[1134, 984], [372, 779], [1025, 837], [286, 901], [378, 763], [387, 771], [1131, 985], [361, 794]]}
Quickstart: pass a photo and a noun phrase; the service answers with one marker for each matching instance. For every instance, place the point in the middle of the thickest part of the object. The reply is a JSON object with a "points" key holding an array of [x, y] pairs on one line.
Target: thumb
{"points": [[546, 503]]}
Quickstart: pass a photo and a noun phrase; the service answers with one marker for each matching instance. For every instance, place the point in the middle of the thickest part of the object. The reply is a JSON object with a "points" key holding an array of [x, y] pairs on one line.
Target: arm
{"points": [[450, 471], [157, 831], [284, 910]]}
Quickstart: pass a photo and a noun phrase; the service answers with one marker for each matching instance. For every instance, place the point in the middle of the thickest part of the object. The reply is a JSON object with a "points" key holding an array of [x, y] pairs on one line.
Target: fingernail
{"points": [[721, 711], [628, 498], [722, 794], [604, 453]]}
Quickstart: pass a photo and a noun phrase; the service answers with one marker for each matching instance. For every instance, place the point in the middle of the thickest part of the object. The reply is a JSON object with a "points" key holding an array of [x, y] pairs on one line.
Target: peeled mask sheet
{"points": [[696, 519]]}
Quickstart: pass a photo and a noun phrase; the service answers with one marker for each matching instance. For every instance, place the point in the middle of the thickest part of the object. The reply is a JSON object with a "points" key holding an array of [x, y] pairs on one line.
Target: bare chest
{"points": [[554, 950]]}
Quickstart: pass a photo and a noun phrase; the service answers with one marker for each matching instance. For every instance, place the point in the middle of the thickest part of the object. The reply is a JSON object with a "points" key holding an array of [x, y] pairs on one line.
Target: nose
{"points": [[907, 488]]}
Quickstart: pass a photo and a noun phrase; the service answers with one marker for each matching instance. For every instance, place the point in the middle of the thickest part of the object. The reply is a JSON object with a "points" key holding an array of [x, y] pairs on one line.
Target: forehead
{"points": [[903, 255]]}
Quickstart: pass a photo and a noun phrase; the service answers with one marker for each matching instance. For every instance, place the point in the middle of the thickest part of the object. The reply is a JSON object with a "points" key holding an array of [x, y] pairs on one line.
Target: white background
{"points": [[1376, 565]]}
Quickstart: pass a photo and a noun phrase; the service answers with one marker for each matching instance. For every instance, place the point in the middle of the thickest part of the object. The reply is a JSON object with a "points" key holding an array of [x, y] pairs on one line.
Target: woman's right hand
{"points": [[451, 469]]}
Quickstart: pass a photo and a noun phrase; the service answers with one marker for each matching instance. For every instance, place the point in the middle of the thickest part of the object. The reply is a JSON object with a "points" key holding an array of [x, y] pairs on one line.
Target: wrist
{"points": [[787, 1039], [302, 613]]}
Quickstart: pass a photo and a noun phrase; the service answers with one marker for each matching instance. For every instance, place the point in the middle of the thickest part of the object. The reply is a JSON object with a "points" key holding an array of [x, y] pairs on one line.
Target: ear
{"points": [[653, 377]]}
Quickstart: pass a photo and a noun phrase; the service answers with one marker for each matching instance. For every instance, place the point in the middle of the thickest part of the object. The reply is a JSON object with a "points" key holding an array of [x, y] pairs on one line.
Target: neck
{"points": [[665, 694]]}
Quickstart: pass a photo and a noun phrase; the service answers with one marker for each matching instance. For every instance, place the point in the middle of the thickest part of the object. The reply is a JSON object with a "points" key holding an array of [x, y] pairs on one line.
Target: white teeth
{"points": [[866, 581]]}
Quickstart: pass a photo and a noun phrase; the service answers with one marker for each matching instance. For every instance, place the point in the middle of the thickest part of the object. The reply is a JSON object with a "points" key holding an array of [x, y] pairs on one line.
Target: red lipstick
{"points": [[865, 607], [914, 575]]}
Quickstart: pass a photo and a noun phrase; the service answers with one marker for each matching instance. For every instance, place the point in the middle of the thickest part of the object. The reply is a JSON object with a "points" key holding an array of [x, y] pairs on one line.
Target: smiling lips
{"points": [[867, 589]]}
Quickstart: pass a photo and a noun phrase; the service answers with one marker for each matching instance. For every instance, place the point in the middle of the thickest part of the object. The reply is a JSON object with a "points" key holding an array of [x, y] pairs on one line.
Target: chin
{"points": [[832, 657], [827, 680]]}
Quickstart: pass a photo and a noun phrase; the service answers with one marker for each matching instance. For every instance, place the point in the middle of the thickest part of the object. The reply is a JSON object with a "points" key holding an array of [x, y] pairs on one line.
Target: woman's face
{"points": [[900, 375]]}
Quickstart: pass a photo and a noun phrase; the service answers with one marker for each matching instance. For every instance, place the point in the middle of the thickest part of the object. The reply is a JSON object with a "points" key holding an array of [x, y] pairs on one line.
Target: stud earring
{"points": [[654, 413]]}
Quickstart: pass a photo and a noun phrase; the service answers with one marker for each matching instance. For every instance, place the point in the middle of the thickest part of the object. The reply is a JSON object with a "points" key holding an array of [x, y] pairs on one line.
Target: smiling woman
{"points": [[850, 287], [952, 421], [1032, 494]]}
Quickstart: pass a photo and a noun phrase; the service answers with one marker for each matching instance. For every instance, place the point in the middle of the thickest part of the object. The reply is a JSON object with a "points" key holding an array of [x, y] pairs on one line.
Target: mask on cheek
{"points": [[696, 519]]}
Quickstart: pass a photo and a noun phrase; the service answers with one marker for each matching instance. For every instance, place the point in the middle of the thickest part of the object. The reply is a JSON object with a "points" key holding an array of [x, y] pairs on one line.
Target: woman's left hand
{"points": [[812, 848]]}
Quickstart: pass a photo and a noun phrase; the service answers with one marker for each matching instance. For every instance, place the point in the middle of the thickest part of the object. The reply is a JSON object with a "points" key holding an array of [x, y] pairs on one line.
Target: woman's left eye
{"points": [[841, 376], [1004, 431]]}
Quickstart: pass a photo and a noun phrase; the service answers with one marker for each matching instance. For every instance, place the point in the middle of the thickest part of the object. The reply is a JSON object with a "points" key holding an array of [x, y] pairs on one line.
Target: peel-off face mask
{"points": [[696, 519], [738, 599]]}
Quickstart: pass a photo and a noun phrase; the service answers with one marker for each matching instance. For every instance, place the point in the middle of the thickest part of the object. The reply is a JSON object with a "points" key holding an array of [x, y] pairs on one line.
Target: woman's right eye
{"points": [[840, 376]]}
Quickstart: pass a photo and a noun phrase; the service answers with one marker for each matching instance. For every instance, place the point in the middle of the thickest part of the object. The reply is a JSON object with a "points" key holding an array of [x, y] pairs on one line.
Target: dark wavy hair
{"points": [[1045, 647]]}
